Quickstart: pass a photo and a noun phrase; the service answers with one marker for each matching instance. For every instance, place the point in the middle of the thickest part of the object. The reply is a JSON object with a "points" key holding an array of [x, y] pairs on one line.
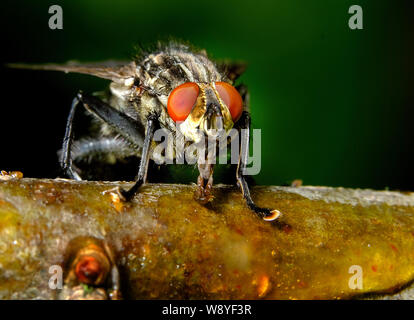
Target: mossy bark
{"points": [[167, 245]]}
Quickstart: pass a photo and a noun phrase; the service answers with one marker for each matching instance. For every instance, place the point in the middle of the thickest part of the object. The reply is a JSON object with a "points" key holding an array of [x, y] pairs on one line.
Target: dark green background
{"points": [[334, 104]]}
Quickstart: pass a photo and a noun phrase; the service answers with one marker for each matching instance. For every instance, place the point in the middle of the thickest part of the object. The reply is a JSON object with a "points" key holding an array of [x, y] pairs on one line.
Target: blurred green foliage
{"points": [[333, 103]]}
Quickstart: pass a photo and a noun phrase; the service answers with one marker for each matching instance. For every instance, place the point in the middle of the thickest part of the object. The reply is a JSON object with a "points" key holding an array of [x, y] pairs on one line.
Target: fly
{"points": [[174, 88]]}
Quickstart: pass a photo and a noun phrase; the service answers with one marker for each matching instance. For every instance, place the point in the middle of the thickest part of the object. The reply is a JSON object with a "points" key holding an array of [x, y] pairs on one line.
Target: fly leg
{"points": [[66, 159], [143, 166], [130, 129], [125, 126], [265, 213]]}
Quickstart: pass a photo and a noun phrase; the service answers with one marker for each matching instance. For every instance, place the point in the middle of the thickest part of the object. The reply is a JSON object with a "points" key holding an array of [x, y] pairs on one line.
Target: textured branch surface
{"points": [[166, 245]]}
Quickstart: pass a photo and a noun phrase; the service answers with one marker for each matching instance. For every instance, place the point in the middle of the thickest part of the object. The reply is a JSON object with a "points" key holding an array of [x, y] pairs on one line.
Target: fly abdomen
{"points": [[89, 149]]}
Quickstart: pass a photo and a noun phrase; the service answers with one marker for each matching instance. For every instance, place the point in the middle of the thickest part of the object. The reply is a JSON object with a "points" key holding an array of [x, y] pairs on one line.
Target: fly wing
{"points": [[232, 69], [117, 71]]}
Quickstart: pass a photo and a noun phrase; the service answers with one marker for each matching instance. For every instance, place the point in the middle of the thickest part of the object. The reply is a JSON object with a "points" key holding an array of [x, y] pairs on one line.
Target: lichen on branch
{"points": [[166, 245]]}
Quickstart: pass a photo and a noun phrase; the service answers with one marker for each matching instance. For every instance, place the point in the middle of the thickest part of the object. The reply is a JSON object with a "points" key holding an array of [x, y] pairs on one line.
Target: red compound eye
{"points": [[181, 101], [231, 97]]}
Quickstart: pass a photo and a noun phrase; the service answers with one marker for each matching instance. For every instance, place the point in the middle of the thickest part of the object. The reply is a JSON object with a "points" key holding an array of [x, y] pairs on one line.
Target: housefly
{"points": [[173, 84]]}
